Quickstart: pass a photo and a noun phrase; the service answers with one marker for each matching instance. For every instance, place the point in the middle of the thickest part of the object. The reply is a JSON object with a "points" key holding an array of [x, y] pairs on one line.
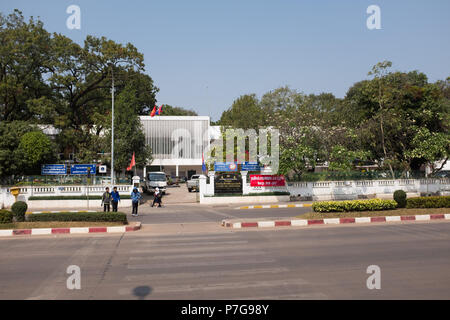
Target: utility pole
{"points": [[112, 132]]}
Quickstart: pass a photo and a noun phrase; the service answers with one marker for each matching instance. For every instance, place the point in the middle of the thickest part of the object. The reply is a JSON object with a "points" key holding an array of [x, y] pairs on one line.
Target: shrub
{"points": [[79, 216], [19, 208], [400, 198], [6, 216], [354, 205], [428, 202]]}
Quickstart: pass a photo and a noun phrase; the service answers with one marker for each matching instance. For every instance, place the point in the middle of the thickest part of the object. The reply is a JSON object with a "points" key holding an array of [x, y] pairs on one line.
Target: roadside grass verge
{"points": [[383, 213], [66, 220], [57, 224]]}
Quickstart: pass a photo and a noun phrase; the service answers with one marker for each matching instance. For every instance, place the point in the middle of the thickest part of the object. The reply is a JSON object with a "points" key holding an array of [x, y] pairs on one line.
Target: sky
{"points": [[204, 54]]}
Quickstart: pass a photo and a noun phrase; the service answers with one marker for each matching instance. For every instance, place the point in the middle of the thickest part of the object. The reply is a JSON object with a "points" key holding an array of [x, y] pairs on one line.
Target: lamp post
{"points": [[112, 131]]}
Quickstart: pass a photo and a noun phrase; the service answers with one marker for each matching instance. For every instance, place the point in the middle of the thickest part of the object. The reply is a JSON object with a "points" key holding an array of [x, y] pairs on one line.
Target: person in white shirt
{"points": [[157, 197]]}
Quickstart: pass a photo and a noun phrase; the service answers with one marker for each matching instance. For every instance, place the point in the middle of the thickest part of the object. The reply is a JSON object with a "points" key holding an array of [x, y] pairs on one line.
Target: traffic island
{"points": [[298, 222], [46, 223], [89, 228]]}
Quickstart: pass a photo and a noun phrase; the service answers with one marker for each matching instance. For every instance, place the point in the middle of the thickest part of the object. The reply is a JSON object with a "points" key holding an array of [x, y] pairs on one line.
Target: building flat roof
{"points": [[156, 118]]}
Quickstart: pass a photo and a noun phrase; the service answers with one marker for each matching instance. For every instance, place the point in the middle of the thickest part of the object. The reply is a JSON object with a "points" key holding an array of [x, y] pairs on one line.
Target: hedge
{"points": [[6, 216], [96, 197], [354, 205], [79, 216], [428, 202]]}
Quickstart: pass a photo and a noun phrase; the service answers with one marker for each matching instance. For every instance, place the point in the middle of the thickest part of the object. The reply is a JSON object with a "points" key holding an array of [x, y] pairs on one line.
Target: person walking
{"points": [[115, 199], [106, 200], [157, 197], [135, 197]]}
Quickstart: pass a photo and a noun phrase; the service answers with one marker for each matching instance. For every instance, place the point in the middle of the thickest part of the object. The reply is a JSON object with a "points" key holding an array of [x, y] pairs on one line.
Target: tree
{"points": [[49, 79], [11, 159], [244, 113], [36, 149], [379, 72], [168, 110], [388, 111], [431, 146], [24, 53], [342, 159]]}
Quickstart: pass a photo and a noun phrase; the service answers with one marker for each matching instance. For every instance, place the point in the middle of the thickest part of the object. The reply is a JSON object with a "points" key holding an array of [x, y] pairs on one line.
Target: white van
{"points": [[153, 180]]}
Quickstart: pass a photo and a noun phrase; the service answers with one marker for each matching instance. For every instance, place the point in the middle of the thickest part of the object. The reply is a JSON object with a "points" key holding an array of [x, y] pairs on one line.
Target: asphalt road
{"points": [[324, 262], [190, 213], [180, 206]]}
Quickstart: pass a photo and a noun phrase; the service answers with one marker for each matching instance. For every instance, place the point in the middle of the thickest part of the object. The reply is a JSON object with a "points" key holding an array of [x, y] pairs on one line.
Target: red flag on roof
{"points": [[132, 164], [159, 110], [152, 114]]}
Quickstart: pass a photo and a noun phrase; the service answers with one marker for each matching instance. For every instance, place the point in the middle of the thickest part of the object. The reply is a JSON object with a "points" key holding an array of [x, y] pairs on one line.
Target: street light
{"points": [[112, 131]]}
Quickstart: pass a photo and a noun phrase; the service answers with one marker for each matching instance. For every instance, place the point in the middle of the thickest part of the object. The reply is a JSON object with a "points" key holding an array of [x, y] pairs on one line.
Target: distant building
{"points": [[178, 143]]}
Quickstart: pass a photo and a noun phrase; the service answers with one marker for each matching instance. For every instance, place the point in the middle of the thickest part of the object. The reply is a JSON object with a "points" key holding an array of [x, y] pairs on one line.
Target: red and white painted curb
{"points": [[49, 231], [305, 222]]}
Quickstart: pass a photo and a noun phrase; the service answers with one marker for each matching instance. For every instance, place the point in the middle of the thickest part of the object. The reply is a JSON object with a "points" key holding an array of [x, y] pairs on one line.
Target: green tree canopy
{"points": [[36, 148]]}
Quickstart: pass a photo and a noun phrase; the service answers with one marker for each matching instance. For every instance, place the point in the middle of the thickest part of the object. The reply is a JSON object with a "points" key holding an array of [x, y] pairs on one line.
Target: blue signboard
{"points": [[53, 169], [251, 166], [82, 168], [225, 166]]}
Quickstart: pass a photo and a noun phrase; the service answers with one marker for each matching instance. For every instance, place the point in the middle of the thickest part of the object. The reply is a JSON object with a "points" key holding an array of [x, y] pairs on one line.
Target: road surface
{"points": [[324, 262]]}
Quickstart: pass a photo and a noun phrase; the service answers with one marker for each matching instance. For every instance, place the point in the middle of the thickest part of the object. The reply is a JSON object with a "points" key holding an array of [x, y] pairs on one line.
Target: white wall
{"points": [[7, 199], [347, 190], [340, 190]]}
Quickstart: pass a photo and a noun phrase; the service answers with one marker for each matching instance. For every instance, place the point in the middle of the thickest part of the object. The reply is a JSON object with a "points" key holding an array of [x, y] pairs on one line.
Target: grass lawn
{"points": [[57, 224], [382, 213]]}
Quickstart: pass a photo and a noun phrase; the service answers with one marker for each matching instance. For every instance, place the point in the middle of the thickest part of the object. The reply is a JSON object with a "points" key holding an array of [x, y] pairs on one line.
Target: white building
{"points": [[177, 143]]}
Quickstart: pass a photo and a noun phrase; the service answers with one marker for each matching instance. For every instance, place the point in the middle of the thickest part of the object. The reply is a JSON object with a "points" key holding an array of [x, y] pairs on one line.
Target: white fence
{"points": [[342, 190], [347, 190], [7, 199]]}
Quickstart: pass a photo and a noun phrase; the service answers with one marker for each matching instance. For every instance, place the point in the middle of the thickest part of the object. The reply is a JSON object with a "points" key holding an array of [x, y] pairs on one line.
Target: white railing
{"points": [[7, 199], [329, 190]]}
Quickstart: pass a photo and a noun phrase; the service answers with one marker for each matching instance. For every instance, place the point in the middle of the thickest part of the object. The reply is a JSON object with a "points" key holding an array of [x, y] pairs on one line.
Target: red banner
{"points": [[259, 180]]}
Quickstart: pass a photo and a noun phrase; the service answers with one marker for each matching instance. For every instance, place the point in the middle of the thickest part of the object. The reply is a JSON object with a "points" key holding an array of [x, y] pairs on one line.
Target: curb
{"points": [[272, 206], [304, 222], [80, 230]]}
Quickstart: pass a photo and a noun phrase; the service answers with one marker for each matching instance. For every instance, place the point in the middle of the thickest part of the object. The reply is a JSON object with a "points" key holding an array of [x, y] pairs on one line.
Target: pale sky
{"points": [[204, 54]]}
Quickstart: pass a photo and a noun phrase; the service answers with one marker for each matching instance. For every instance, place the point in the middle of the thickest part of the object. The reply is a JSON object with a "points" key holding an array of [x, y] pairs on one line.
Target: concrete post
{"points": [[211, 190], [136, 181], [245, 189], [202, 188]]}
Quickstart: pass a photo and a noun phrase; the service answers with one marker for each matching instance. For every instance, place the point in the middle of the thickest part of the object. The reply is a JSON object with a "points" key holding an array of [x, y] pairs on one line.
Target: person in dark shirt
{"points": [[106, 200], [115, 199]]}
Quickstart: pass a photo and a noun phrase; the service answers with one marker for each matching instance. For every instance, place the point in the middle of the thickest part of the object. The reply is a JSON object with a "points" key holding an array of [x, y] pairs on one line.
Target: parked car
{"points": [[193, 183]]}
